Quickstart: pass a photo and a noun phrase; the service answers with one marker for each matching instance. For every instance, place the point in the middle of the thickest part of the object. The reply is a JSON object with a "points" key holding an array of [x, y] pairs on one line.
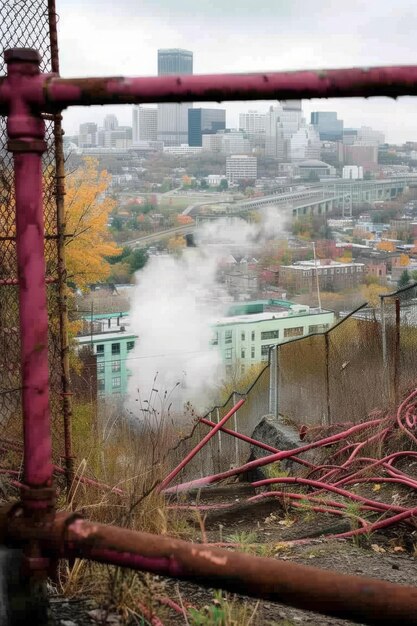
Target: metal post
{"points": [[27, 143], [273, 386], [326, 365], [61, 265], [397, 350], [384, 334]]}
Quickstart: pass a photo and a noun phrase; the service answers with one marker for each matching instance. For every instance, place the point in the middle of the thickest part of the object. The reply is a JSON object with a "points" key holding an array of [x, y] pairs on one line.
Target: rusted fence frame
{"points": [[24, 94]]}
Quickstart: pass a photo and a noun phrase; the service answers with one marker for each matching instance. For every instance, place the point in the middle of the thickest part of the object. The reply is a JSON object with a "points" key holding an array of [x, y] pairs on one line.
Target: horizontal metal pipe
{"points": [[59, 93], [350, 597], [378, 81]]}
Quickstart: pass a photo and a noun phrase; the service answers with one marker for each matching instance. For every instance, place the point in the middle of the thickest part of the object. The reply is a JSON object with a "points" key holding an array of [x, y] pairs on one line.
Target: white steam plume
{"points": [[175, 303]]}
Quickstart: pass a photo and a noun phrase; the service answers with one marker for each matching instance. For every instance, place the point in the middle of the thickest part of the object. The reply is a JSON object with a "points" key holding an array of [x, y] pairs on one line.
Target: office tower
{"points": [[204, 121], [172, 126], [87, 137], [144, 123], [110, 122], [327, 125]]}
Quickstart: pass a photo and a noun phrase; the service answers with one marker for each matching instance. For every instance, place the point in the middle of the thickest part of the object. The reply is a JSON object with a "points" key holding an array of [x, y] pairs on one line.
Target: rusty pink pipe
{"points": [[200, 445], [279, 456], [26, 141], [383, 81], [254, 442], [57, 93]]}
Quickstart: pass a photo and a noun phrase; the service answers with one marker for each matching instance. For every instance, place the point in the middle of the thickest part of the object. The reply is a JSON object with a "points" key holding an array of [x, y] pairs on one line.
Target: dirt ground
{"points": [[262, 529]]}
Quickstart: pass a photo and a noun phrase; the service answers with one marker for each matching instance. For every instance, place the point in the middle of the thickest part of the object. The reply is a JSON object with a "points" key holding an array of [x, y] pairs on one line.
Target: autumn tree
{"points": [[87, 211]]}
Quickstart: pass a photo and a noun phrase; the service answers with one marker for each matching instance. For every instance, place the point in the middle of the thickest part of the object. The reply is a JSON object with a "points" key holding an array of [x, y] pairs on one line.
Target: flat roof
{"points": [[101, 337], [265, 317]]}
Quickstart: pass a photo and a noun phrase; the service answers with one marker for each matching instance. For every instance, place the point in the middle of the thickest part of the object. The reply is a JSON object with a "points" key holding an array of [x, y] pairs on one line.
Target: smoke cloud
{"points": [[175, 304]]}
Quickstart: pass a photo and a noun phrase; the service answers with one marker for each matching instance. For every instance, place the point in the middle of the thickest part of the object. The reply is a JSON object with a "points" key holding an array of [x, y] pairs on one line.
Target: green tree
{"points": [[137, 259], [404, 279], [224, 185]]}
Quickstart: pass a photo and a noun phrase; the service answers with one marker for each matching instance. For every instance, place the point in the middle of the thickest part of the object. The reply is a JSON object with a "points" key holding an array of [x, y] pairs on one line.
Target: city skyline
{"points": [[265, 37]]}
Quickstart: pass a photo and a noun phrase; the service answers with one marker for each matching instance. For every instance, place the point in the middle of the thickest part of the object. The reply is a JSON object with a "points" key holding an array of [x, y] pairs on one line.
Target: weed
{"points": [[223, 611]]}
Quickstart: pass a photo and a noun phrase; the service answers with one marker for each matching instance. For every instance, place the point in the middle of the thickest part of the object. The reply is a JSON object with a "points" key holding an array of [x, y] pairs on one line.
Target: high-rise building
{"points": [[110, 122], [204, 121], [173, 61], [87, 137], [304, 144], [252, 122], [173, 118], [281, 123], [327, 125], [227, 141], [368, 136], [144, 123], [241, 167]]}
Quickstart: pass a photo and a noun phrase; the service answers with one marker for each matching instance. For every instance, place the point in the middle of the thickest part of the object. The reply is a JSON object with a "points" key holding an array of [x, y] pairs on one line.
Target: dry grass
{"points": [[135, 459]]}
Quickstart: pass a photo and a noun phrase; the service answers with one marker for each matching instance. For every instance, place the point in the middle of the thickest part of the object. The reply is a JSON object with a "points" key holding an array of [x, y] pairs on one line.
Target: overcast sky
{"points": [[121, 37]]}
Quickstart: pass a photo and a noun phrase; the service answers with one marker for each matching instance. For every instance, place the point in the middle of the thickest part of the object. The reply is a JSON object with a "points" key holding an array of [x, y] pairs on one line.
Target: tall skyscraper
{"points": [[327, 125], [287, 136], [144, 123], [87, 137], [110, 122], [204, 121], [173, 118], [173, 61]]}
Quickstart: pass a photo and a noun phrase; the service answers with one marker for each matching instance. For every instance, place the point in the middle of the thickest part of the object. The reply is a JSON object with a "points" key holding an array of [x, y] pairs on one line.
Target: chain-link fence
{"points": [[398, 320], [364, 362], [26, 25]]}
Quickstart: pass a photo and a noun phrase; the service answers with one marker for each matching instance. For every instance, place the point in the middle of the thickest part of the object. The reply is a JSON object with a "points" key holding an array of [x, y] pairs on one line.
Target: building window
{"points": [[115, 348], [100, 384], [264, 352], [116, 382], [228, 353], [100, 368], [270, 334], [253, 335], [294, 332], [242, 369], [318, 328], [215, 339], [228, 336], [242, 336], [130, 345], [242, 354], [115, 366], [252, 352], [100, 349]]}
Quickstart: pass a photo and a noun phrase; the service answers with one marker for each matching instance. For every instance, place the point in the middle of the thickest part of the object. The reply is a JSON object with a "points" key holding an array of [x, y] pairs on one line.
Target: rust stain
{"points": [[213, 558]]}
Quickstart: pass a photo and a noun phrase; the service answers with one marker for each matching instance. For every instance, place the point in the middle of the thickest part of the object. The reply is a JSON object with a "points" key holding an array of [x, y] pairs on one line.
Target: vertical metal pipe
{"points": [[273, 376], [397, 349], [26, 134], [61, 263], [33, 318], [326, 364], [384, 332]]}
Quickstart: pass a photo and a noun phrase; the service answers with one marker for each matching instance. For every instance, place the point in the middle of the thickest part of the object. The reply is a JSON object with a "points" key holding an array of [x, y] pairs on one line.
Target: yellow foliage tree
{"points": [[87, 212], [176, 244], [387, 246], [372, 292], [404, 260]]}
